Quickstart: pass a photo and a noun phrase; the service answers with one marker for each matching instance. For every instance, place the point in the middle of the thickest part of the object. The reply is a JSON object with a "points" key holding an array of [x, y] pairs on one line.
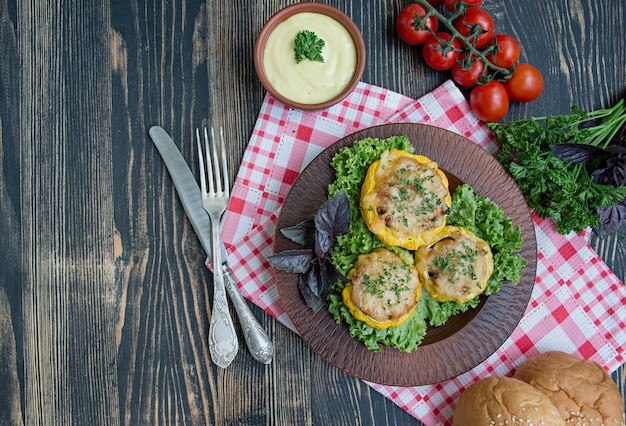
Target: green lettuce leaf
{"points": [[477, 213]]}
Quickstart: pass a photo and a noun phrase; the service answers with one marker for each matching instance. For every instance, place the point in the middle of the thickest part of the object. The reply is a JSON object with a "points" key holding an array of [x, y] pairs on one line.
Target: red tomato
{"points": [[489, 102], [470, 3], [526, 83], [467, 75], [409, 28], [441, 57], [473, 17], [507, 52], [435, 3]]}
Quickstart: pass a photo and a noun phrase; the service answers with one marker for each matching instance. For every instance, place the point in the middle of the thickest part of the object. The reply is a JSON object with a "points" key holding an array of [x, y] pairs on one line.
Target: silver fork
{"points": [[223, 342]]}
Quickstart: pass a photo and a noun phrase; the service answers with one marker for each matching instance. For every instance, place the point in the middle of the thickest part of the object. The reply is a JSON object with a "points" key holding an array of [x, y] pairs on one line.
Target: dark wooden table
{"points": [[103, 297]]}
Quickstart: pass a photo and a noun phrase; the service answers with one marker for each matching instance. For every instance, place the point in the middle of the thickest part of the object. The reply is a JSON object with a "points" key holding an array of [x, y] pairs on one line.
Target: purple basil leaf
{"points": [[616, 149], [333, 273], [619, 173], [613, 173], [333, 218], [316, 270], [325, 279], [577, 153], [314, 302], [612, 217], [314, 277], [590, 123], [294, 261], [302, 233], [323, 244]]}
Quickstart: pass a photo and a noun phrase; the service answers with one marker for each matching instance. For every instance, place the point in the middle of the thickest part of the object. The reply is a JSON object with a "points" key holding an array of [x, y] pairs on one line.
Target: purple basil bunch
{"points": [[612, 173], [610, 169], [313, 262]]}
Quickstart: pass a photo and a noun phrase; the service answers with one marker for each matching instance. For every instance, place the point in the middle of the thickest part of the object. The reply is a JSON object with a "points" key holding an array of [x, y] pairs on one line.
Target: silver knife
{"points": [[256, 338]]}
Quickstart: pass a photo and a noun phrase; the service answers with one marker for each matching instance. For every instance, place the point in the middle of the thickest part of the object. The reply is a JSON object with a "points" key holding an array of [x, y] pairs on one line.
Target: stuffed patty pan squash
{"points": [[405, 199], [456, 266], [383, 291]]}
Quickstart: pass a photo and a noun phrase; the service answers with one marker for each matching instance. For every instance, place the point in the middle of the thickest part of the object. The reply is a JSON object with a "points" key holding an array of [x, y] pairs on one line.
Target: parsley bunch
{"points": [[538, 151]]}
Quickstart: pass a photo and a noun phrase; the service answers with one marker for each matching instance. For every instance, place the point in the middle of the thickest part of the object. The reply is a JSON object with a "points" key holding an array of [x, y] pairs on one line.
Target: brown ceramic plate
{"points": [[465, 340]]}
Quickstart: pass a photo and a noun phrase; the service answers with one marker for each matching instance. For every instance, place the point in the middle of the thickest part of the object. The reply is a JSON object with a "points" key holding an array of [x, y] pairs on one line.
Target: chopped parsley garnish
{"points": [[411, 187], [389, 280], [458, 262], [308, 46]]}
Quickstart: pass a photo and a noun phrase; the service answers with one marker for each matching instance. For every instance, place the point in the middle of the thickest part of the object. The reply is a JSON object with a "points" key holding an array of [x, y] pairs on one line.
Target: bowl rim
{"points": [[314, 7]]}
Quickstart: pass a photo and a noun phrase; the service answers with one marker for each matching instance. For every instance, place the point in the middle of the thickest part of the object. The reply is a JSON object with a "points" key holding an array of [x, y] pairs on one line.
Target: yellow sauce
{"points": [[310, 82]]}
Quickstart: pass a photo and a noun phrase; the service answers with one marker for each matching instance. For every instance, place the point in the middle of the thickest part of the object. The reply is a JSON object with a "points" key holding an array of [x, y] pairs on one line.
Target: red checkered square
{"points": [[567, 251], [236, 205], [455, 114], [560, 314], [304, 133]]}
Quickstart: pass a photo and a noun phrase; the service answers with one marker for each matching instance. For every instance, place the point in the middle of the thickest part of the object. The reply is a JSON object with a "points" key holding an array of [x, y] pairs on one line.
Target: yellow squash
{"points": [[455, 266], [389, 289], [379, 176]]}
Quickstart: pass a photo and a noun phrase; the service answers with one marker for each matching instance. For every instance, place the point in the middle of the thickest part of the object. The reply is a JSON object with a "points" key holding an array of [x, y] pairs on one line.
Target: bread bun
{"points": [[582, 390], [504, 400]]}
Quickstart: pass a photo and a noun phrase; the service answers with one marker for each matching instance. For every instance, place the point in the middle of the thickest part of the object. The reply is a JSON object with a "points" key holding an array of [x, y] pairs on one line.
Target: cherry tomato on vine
{"points": [[473, 17], [467, 74], [435, 3], [507, 51], [526, 83], [407, 24], [470, 3], [489, 102], [440, 53]]}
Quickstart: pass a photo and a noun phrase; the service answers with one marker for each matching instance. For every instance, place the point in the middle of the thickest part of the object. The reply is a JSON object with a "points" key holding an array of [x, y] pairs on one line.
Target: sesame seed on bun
{"points": [[505, 401], [582, 390]]}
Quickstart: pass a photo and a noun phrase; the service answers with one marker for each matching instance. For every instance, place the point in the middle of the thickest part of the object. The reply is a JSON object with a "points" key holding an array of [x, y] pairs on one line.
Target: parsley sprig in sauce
{"points": [[308, 46]]}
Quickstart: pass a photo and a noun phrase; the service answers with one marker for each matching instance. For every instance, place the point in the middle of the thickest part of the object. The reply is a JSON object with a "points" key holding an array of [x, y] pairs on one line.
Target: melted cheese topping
{"points": [[405, 199], [456, 267], [310, 82], [383, 291]]}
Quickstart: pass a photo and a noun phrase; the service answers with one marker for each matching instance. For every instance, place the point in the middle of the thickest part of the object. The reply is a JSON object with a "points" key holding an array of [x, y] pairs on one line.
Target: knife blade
{"points": [[257, 340]]}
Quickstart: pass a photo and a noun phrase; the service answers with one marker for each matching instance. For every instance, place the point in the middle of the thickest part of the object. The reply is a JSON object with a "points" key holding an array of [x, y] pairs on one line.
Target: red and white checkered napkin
{"points": [[578, 305]]}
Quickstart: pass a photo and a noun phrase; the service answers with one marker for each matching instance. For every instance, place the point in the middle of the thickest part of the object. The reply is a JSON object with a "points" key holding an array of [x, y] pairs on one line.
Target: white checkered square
{"points": [[395, 101], [332, 128], [288, 148]]}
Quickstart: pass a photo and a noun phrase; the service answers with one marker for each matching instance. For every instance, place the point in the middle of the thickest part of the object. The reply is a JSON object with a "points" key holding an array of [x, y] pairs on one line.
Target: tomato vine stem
{"points": [[467, 42]]}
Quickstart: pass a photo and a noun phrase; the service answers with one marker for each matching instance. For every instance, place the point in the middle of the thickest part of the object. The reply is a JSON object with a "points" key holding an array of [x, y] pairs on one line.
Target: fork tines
{"points": [[218, 177]]}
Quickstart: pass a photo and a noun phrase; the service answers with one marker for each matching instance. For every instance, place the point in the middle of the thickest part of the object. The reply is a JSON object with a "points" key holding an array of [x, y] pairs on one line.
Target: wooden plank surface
{"points": [[103, 298]]}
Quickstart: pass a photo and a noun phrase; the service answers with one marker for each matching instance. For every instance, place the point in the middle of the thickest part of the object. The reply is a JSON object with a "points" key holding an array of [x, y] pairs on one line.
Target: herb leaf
{"points": [[315, 267], [308, 46], [612, 217], [577, 153], [294, 261], [302, 233], [332, 219], [313, 301]]}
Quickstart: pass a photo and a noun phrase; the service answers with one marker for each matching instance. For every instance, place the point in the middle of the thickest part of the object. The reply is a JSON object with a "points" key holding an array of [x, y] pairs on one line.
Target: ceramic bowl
{"points": [[321, 8]]}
